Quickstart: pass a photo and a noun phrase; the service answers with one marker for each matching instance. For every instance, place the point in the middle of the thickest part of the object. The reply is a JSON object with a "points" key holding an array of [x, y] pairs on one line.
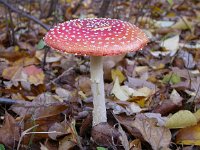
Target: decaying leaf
{"points": [[105, 135], [181, 119], [34, 75], [157, 137], [189, 135], [30, 74], [63, 93], [9, 132], [40, 107], [60, 129]]}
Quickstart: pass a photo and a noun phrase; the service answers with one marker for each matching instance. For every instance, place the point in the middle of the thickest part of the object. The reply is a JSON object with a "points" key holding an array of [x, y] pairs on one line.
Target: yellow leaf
{"points": [[181, 119], [26, 61], [117, 73], [16, 48], [140, 100], [197, 114], [189, 135]]}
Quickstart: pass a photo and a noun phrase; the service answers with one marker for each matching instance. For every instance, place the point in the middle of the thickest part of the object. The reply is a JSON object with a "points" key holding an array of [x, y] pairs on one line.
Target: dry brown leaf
{"points": [[105, 135], [157, 137], [40, 107], [9, 132], [60, 129]]}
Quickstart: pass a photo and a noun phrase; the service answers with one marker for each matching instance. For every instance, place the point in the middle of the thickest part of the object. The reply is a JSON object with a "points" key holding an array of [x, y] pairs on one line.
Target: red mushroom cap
{"points": [[96, 37]]}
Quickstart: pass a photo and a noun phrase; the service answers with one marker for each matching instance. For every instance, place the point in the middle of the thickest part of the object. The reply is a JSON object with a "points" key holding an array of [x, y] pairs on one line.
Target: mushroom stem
{"points": [[96, 70]]}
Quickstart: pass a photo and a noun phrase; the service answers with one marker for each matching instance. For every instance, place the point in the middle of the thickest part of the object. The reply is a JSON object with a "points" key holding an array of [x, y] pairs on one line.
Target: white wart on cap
{"points": [[96, 37]]}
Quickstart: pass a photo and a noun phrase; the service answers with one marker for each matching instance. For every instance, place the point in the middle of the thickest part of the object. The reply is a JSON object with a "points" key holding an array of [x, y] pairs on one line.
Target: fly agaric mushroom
{"points": [[96, 37]]}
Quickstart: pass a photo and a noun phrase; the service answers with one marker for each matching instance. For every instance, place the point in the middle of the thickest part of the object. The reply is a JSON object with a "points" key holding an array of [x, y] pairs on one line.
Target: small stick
{"points": [[28, 104]]}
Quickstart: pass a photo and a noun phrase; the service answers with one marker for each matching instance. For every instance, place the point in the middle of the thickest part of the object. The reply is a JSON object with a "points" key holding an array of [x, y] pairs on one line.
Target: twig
{"points": [[66, 71], [24, 133], [36, 20], [12, 28], [28, 104], [46, 50], [7, 101], [52, 7]]}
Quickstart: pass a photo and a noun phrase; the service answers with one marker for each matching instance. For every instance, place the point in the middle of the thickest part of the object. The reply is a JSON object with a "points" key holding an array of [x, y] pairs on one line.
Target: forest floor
{"points": [[153, 95]]}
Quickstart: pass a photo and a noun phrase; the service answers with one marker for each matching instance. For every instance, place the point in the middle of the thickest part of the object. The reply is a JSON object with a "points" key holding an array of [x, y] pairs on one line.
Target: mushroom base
{"points": [[96, 70]]}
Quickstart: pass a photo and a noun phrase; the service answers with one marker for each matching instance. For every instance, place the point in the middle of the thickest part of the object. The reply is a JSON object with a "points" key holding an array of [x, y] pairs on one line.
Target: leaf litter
{"points": [[153, 95]]}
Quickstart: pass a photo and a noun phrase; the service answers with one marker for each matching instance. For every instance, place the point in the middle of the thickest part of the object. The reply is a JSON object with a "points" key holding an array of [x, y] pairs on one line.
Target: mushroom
{"points": [[96, 37]]}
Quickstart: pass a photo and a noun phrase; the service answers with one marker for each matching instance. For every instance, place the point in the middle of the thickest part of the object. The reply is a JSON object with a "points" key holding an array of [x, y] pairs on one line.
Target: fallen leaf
{"points": [[157, 137], [26, 61], [181, 119], [182, 24], [197, 115], [84, 84], [117, 73], [124, 138], [175, 97], [50, 58], [119, 92], [34, 75], [66, 143], [134, 108], [60, 129], [109, 63], [9, 73], [26, 46], [40, 107], [9, 132], [63, 93], [105, 135], [139, 83], [171, 78], [189, 135], [166, 107], [161, 120], [136, 144], [187, 59], [171, 44]]}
